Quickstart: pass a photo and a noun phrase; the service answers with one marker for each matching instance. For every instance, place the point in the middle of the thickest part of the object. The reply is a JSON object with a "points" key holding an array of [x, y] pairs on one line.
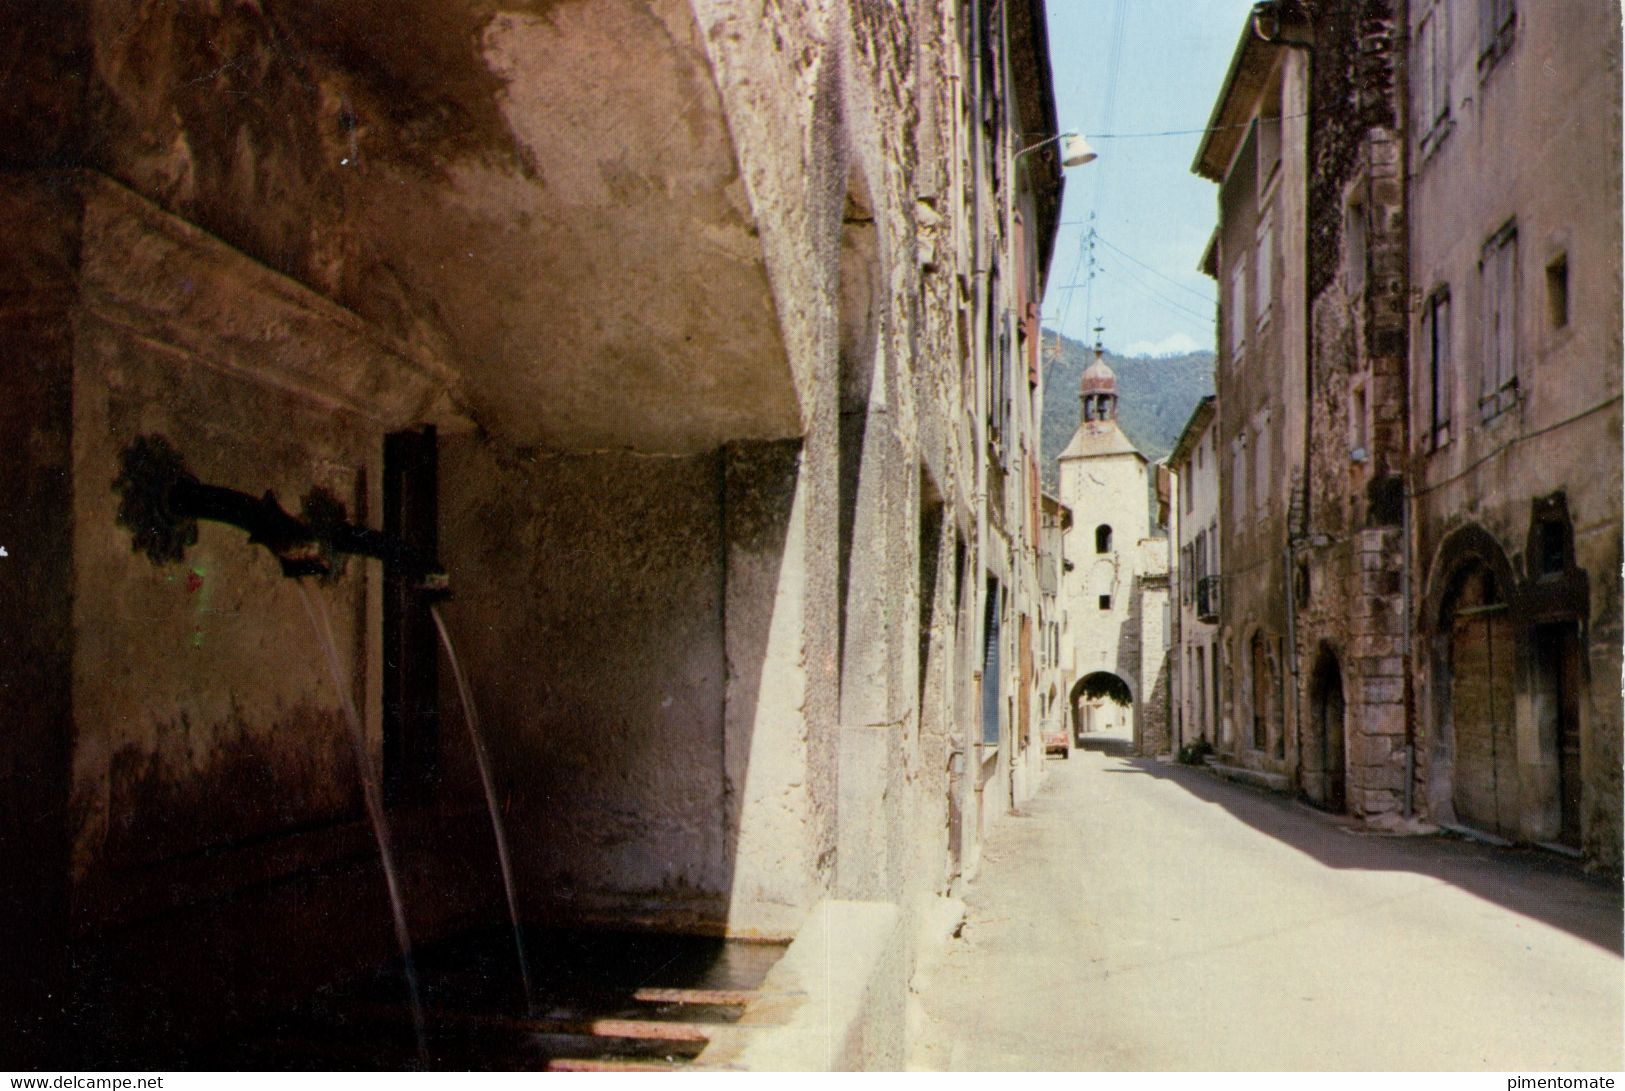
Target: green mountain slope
{"points": [[1155, 397]]}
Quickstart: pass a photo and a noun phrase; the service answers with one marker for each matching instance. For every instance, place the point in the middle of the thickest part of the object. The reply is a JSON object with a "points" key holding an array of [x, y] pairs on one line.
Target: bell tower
{"points": [[1098, 390]]}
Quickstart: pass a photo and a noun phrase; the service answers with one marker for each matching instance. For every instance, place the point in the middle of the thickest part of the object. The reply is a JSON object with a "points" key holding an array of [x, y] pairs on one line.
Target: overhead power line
{"points": [[1189, 132], [1173, 304], [1189, 312], [1205, 298], [1103, 168]]}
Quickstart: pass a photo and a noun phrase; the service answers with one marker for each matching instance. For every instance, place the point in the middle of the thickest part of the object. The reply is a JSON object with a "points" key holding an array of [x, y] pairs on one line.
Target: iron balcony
{"points": [[1207, 598]]}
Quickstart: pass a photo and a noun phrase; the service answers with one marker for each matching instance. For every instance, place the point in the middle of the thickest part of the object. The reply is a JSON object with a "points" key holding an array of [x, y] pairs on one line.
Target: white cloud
{"points": [[1175, 344]]}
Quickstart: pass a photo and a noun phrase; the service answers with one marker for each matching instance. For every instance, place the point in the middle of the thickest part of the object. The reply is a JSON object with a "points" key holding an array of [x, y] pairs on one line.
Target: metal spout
{"points": [[162, 502]]}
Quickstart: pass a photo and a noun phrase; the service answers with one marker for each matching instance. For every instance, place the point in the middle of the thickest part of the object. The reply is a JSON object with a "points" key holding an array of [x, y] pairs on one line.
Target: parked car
{"points": [[1056, 742]]}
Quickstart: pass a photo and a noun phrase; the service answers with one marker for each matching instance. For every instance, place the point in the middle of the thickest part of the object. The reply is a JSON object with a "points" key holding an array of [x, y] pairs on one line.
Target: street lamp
{"points": [[1075, 150]]}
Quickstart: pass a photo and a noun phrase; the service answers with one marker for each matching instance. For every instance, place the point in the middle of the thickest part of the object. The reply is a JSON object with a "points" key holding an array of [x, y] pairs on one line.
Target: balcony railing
{"points": [[1207, 598]]}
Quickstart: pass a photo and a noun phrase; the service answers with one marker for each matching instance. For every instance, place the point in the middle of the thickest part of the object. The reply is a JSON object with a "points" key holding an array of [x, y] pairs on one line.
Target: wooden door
{"points": [[1260, 693], [1481, 712], [1558, 686], [1331, 736]]}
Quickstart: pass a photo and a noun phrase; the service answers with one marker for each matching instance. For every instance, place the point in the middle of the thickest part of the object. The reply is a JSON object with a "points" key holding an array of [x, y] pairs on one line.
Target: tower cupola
{"points": [[1098, 391]]}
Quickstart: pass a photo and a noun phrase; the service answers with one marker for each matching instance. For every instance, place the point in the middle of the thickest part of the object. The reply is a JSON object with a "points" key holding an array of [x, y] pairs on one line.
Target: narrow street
{"points": [[1140, 916]]}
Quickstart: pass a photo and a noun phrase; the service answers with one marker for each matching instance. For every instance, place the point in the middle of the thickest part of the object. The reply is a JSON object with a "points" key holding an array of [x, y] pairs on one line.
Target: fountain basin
{"points": [[604, 1000]]}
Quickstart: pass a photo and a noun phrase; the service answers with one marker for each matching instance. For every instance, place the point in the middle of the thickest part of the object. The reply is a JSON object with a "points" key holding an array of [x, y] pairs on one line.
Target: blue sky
{"points": [[1152, 215]]}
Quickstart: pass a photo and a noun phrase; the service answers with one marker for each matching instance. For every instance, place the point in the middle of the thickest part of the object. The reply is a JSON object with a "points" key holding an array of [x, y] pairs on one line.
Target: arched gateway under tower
{"points": [[1101, 702], [1115, 586]]}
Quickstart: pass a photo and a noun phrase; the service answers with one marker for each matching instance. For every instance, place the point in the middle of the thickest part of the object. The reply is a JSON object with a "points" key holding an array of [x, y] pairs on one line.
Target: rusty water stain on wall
{"points": [[247, 782]]}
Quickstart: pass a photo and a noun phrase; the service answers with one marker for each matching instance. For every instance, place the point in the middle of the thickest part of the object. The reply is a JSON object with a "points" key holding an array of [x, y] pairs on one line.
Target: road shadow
{"points": [[1526, 881], [1105, 744]]}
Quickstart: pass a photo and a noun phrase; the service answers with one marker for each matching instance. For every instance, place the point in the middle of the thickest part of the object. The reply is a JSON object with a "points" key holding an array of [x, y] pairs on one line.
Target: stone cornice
{"points": [[168, 282]]}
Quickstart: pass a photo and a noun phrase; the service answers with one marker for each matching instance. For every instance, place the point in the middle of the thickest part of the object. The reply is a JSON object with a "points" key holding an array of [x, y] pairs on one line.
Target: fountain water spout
{"points": [[162, 502]]}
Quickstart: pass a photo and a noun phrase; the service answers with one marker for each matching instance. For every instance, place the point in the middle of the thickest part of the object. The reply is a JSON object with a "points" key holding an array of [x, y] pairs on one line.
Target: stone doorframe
{"points": [[1462, 551], [1324, 755]]}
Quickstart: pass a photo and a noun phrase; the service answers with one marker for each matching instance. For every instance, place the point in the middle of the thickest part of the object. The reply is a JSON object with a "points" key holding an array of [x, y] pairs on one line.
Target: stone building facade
{"points": [[1256, 152], [1514, 400], [1348, 556], [1193, 544], [1055, 720], [1443, 563], [690, 338], [1115, 581]]}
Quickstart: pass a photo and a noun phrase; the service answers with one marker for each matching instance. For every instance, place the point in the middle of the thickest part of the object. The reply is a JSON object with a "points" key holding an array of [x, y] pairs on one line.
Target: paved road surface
{"points": [[1147, 916]]}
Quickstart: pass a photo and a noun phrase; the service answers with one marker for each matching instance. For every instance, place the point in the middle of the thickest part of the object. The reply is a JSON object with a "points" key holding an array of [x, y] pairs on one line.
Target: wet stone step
{"points": [[508, 1049], [580, 1064], [597, 1047], [603, 1001], [706, 997], [585, 1025], [684, 1022], [678, 1014]]}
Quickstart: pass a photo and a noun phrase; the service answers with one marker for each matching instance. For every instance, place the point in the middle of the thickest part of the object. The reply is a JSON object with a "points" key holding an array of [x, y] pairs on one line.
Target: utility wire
{"points": [[1190, 132], [1088, 238], [1097, 208], [1114, 55], [1071, 281], [1149, 290], [1209, 300], [1173, 304], [1083, 247], [1085, 250], [1513, 442], [1155, 294]]}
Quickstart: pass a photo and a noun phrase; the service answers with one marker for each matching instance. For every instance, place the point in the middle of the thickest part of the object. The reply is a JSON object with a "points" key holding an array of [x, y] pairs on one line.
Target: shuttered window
{"points": [[990, 668], [1238, 310], [1431, 58], [1498, 278], [1264, 290], [1437, 365], [1262, 485], [1238, 480]]}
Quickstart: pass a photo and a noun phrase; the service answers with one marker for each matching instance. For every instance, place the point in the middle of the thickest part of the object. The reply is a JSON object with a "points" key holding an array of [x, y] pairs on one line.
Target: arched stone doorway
{"points": [[1325, 760], [1477, 662], [1101, 702]]}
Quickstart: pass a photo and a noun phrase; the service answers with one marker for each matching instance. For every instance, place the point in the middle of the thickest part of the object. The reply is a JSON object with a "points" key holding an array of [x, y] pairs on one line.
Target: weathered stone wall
{"points": [[205, 750], [1258, 429], [1348, 556], [836, 217], [515, 144], [1498, 161], [37, 305], [227, 696], [1355, 80], [590, 614], [1481, 490], [622, 256], [1152, 725]]}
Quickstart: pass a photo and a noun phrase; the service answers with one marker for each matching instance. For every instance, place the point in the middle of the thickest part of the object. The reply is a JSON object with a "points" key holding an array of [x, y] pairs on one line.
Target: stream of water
{"points": [[476, 737], [373, 795]]}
